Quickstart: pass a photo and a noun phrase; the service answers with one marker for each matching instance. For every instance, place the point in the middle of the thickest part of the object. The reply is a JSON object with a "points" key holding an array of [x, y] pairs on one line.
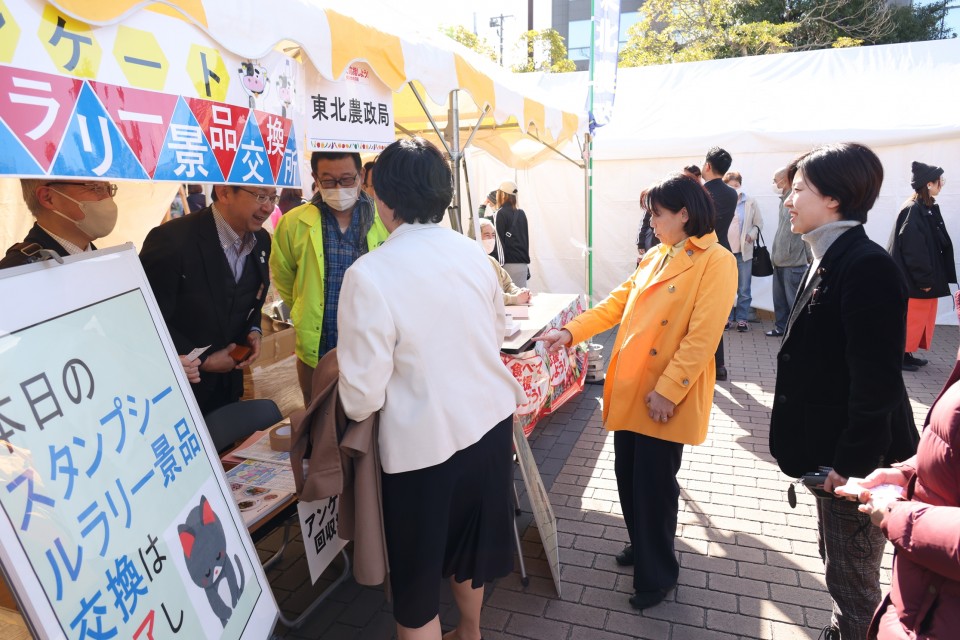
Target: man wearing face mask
{"points": [[314, 245], [69, 214], [209, 274]]}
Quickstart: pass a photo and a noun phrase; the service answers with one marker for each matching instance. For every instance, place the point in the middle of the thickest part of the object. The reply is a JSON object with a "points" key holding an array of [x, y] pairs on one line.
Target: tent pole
{"points": [[483, 114], [456, 157], [588, 219], [426, 112], [557, 151], [472, 227], [588, 172]]}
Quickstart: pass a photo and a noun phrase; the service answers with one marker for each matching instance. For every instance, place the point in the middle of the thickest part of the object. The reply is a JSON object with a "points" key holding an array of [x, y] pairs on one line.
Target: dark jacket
{"points": [[925, 589], [923, 250], [343, 459], [514, 237], [15, 256], [189, 274], [646, 239], [725, 202], [840, 400]]}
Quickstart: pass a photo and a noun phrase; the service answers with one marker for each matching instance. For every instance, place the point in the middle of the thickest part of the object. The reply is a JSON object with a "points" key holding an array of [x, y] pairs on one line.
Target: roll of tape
{"points": [[280, 437]]}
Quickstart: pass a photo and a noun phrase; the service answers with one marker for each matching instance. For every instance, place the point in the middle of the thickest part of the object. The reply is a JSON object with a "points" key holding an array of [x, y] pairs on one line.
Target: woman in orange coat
{"points": [[660, 380]]}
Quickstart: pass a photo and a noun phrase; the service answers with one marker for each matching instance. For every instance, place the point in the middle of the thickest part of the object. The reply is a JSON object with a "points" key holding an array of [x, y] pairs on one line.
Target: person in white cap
{"points": [[512, 228]]}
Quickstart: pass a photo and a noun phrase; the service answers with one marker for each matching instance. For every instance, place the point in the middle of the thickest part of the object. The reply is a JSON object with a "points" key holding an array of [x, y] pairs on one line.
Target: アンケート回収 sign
{"points": [[150, 99], [115, 517], [352, 114]]}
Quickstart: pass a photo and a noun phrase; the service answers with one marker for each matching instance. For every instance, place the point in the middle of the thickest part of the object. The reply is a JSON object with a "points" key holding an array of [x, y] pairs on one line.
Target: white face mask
{"points": [[489, 244], [777, 190], [99, 216], [342, 198]]}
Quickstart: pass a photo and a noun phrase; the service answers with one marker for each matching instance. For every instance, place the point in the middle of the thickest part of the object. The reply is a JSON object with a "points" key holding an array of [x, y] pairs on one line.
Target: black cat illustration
{"points": [[205, 553]]}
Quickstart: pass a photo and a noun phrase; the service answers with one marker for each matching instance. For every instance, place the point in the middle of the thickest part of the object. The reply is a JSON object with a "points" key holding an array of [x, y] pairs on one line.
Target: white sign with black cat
{"points": [[115, 517]]}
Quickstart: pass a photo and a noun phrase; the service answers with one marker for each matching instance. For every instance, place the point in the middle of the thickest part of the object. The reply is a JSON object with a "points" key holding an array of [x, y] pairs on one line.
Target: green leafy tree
{"points": [[470, 40], [832, 23], [690, 30], [546, 51]]}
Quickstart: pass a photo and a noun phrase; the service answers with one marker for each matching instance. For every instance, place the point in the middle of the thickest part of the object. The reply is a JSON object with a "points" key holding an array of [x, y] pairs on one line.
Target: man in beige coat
{"points": [[743, 232]]}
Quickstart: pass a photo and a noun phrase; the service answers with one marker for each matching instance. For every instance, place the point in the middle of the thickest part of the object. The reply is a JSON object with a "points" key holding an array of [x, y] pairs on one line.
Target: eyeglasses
{"points": [[262, 198], [101, 189], [331, 183]]}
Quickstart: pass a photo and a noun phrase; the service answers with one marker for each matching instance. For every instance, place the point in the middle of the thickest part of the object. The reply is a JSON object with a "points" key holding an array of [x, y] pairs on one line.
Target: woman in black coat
{"points": [[924, 251], [514, 236], [840, 402]]}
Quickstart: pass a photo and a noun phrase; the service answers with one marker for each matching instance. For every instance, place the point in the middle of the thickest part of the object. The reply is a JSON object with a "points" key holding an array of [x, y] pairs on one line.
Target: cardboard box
{"points": [[279, 342]]}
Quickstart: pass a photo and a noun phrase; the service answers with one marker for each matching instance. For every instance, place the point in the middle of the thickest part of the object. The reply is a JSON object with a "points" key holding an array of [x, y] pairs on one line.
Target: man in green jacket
{"points": [[313, 245]]}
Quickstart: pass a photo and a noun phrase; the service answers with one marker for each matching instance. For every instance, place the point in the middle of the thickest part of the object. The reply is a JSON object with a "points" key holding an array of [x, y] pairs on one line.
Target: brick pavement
{"points": [[749, 563]]}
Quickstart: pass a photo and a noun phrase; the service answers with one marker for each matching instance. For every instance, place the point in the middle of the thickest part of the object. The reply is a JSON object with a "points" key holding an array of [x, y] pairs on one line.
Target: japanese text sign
{"points": [[353, 114], [606, 48], [97, 428], [319, 524], [167, 105]]}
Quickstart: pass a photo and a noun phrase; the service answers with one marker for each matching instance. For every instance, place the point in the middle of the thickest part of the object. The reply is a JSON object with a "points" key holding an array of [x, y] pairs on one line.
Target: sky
{"points": [[475, 16], [477, 13]]}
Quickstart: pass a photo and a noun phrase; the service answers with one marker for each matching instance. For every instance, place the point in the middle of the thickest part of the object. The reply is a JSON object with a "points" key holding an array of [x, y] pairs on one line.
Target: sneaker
{"points": [[774, 333], [909, 358], [721, 373], [742, 326], [625, 557], [728, 326], [909, 367]]}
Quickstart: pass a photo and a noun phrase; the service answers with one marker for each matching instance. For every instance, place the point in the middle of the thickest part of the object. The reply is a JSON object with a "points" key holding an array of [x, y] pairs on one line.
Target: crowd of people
{"points": [[365, 270]]}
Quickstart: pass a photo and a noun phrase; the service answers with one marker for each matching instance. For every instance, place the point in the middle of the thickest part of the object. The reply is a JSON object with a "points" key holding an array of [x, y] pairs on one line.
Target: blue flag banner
{"points": [[603, 63]]}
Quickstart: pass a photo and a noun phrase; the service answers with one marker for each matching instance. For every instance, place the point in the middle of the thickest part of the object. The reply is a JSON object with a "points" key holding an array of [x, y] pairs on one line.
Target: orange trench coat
{"points": [[670, 325]]}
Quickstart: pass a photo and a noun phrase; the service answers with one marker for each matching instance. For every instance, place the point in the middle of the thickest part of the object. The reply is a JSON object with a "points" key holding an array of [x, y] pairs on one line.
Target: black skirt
{"points": [[451, 519]]}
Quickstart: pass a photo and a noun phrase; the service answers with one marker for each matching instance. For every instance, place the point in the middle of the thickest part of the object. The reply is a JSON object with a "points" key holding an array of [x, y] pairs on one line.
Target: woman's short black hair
{"points": [[413, 178], [679, 190], [849, 172]]}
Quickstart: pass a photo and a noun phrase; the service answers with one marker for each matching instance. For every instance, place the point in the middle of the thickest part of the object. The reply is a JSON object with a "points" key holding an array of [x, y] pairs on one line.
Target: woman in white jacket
{"points": [[425, 354], [743, 233]]}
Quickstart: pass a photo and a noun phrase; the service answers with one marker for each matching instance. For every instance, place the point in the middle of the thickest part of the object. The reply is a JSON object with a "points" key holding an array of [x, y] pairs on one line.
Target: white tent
{"points": [[496, 110], [899, 99]]}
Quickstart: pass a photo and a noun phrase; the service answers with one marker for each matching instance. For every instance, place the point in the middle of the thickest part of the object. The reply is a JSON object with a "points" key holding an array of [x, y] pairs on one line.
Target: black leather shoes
{"points": [[721, 373], [909, 358], [625, 557], [645, 599]]}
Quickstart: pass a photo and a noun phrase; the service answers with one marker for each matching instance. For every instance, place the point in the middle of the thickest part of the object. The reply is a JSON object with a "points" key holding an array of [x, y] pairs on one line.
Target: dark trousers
{"points": [[718, 356], [646, 470]]}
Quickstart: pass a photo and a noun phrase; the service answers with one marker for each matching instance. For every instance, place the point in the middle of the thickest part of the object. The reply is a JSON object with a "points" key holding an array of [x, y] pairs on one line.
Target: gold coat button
{"points": [[671, 288], [686, 382]]}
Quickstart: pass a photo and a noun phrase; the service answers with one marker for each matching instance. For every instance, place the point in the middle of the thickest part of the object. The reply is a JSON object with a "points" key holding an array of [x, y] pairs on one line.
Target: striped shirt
{"points": [[236, 248]]}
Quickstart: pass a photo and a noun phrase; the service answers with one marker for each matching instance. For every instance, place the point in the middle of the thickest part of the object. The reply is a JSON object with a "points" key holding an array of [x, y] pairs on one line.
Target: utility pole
{"points": [[496, 22]]}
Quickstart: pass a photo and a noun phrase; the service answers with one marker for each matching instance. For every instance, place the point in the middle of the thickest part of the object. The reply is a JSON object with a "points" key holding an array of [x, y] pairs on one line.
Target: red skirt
{"points": [[921, 319]]}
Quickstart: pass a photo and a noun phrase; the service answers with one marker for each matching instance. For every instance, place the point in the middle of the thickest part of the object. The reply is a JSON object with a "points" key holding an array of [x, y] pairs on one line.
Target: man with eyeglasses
{"points": [[314, 245], [70, 215], [209, 272]]}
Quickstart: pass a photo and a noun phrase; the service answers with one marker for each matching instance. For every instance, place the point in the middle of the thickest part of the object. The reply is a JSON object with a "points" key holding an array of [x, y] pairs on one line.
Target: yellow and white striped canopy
{"points": [[332, 34]]}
